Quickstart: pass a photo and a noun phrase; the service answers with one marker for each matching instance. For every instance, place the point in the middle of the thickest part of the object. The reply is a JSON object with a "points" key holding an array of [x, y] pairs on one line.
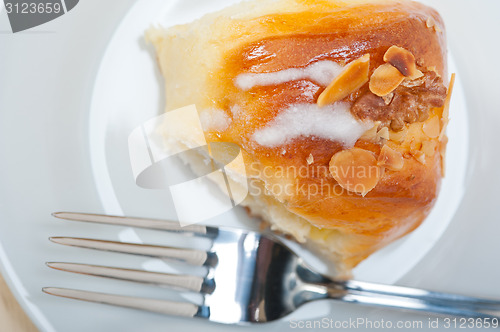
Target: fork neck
{"points": [[311, 286]]}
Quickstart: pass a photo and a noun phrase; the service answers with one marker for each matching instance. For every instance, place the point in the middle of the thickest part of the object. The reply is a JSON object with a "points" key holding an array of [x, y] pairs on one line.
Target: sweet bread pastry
{"points": [[339, 109]]}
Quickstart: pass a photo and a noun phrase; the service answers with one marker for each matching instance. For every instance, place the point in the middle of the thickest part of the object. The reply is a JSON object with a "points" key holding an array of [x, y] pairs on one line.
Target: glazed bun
{"points": [[339, 109]]}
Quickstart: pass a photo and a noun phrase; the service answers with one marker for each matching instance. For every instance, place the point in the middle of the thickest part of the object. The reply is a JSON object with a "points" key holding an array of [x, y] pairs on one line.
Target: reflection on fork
{"points": [[251, 277]]}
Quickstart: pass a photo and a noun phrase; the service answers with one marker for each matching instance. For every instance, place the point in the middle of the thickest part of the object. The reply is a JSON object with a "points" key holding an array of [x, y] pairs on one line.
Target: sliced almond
{"points": [[310, 159], [432, 68], [431, 24], [415, 145], [356, 170], [398, 136], [429, 147], [388, 99], [419, 156], [385, 79], [352, 77], [446, 108], [371, 134], [383, 133], [432, 127], [442, 151], [390, 159], [404, 61]]}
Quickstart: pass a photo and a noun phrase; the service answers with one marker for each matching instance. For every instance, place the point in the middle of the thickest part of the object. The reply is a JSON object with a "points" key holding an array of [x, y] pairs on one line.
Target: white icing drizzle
{"points": [[321, 72], [334, 122], [214, 119]]}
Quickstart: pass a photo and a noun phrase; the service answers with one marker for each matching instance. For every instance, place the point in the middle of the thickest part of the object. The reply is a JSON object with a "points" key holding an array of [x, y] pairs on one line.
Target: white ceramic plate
{"points": [[48, 169]]}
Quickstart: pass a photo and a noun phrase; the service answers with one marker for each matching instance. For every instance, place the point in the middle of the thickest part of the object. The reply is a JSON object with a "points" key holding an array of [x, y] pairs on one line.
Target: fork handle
{"points": [[318, 286], [405, 303], [397, 297], [465, 302]]}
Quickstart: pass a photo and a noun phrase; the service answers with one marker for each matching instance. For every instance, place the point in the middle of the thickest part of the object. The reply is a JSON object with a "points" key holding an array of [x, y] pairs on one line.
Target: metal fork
{"points": [[254, 274]]}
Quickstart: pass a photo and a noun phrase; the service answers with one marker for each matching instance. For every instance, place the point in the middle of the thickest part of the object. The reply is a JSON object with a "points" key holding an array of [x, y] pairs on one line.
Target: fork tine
{"points": [[182, 309], [156, 224], [189, 256], [176, 281]]}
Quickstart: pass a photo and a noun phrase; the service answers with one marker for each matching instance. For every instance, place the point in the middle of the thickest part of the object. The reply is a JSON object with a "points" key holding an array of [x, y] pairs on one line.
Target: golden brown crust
{"points": [[345, 34]]}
